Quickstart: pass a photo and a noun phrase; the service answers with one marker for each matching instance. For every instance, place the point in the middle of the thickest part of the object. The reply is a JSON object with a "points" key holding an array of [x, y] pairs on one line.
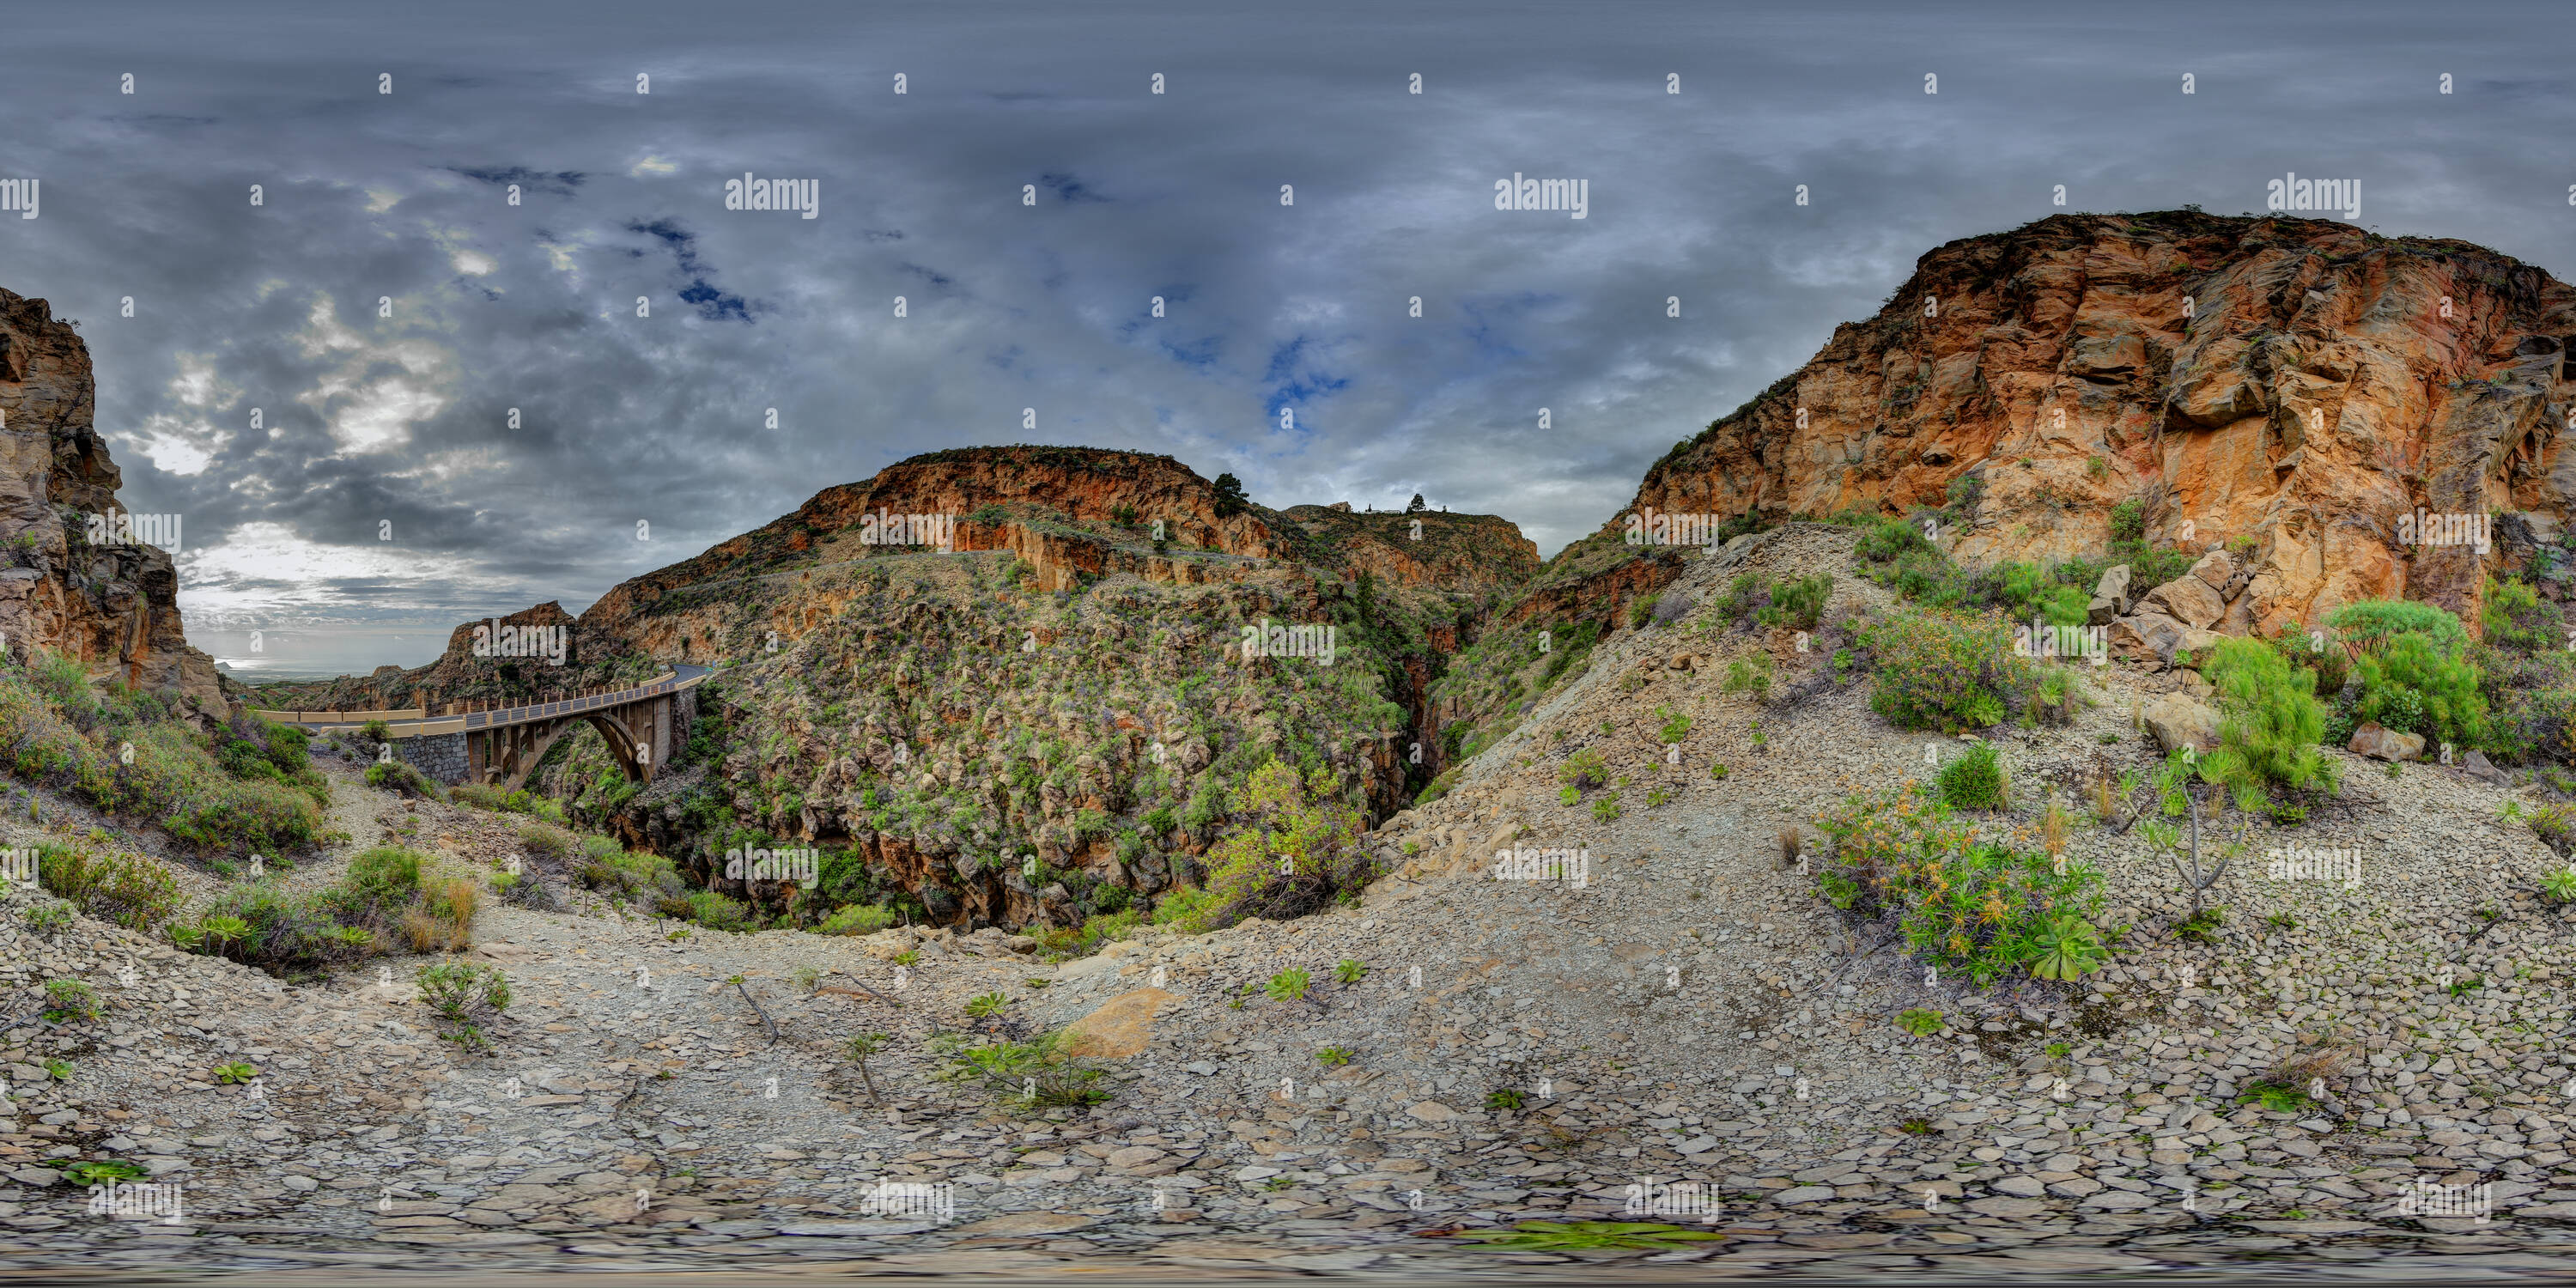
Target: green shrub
{"points": [[1294, 849], [2270, 721], [462, 998], [384, 877], [1095, 932], [1749, 674], [2373, 625], [404, 778], [1566, 653], [2030, 593], [55, 729], [1799, 604], [2515, 618], [1584, 770], [1441, 786], [858, 919], [1024, 1076], [1676, 726], [1937, 670], [265, 927], [2555, 825], [1749, 591], [71, 1002], [2410, 683], [1974, 780], [1886, 539], [2129, 521], [133, 891], [1966, 907], [716, 912], [2559, 887], [549, 842]]}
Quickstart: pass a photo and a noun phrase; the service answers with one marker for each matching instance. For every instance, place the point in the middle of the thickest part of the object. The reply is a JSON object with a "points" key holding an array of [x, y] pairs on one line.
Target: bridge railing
{"points": [[408, 722]]}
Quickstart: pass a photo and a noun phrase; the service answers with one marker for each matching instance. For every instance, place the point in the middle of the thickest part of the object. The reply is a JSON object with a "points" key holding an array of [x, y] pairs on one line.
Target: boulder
{"points": [[2188, 600], [2215, 396], [2101, 611], [2148, 639], [2114, 586], [1120, 1027], [2195, 645], [2177, 719], [2215, 570], [2476, 766], [2386, 744]]}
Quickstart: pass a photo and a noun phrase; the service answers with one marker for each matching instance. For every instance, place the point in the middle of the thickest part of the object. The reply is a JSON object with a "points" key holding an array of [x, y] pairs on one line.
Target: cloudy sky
{"points": [[398, 203]]}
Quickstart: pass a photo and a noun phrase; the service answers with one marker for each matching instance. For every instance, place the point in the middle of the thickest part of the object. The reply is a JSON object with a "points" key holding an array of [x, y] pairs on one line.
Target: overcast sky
{"points": [[403, 420]]}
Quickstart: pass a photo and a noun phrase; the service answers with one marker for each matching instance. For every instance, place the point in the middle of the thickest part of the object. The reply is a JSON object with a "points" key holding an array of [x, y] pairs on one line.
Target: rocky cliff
{"points": [[111, 603], [2290, 387], [989, 656], [1068, 515]]}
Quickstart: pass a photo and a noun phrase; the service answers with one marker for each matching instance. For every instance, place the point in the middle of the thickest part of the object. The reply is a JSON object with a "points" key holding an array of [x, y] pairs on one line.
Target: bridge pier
{"points": [[442, 756], [638, 734]]}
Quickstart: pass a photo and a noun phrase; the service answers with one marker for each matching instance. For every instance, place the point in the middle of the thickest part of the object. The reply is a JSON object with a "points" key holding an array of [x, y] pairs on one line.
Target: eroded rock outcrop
{"points": [[112, 603], [2298, 384]]}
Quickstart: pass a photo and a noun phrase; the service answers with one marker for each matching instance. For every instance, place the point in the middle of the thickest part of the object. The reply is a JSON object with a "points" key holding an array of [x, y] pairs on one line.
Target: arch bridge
{"points": [[500, 746]]}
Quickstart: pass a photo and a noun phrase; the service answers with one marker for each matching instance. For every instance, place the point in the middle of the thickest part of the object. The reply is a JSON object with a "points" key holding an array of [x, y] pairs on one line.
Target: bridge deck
{"points": [[402, 724]]}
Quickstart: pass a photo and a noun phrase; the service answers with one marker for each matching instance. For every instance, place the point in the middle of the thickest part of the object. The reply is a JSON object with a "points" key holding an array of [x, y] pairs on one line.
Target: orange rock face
{"points": [[2297, 384], [113, 606], [1069, 513]]}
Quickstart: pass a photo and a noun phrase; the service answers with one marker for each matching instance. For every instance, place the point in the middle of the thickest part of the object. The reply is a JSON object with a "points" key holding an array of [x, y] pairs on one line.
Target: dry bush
{"points": [[2298, 1070], [443, 919], [420, 932], [1790, 843]]}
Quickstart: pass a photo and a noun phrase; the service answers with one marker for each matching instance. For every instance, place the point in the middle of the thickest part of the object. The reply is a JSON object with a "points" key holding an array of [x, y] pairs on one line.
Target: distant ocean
{"points": [[320, 652]]}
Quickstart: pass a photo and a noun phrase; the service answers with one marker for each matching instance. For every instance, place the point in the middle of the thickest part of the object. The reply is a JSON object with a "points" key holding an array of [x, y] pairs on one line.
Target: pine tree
{"points": [[1416, 507], [1229, 496]]}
